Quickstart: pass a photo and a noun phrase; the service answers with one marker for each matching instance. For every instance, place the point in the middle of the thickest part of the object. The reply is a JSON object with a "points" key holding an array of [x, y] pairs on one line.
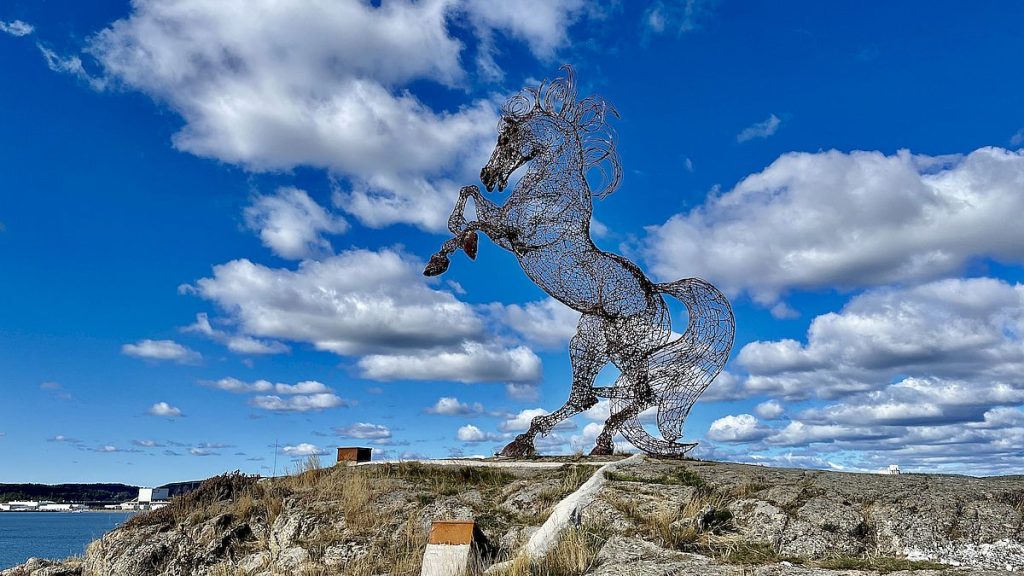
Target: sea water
{"points": [[53, 535]]}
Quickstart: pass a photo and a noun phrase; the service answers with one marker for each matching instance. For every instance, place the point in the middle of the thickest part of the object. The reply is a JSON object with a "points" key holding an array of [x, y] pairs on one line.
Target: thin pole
{"points": [[275, 459]]}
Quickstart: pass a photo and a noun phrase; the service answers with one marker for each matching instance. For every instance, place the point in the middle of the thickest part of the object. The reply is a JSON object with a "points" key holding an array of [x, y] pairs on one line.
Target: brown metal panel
{"points": [[452, 532], [354, 454]]}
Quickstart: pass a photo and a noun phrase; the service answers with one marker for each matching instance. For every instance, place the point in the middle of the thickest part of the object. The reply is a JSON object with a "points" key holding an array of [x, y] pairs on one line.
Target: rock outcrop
{"points": [[651, 517]]}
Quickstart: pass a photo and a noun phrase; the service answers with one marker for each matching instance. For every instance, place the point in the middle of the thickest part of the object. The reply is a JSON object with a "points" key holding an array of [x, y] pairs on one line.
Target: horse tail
{"points": [[680, 370]]}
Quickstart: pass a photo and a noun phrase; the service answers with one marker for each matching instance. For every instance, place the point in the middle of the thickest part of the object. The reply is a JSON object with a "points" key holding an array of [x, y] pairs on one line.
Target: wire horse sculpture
{"points": [[624, 318]]}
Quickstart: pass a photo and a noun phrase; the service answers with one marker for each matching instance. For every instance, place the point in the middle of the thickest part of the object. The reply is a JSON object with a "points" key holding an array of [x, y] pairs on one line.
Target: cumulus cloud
{"points": [[364, 431], [739, 428], [237, 386], [303, 449], [547, 323], [374, 304], [356, 302], [848, 220], [271, 87], [450, 406], [967, 330], [234, 342], [299, 402], [164, 410], [760, 129], [161, 350], [16, 28], [475, 362], [472, 434], [292, 224], [769, 410]]}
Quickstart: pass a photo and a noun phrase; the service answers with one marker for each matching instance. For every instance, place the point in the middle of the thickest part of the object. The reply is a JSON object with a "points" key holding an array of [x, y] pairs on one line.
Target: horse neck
{"points": [[550, 166]]}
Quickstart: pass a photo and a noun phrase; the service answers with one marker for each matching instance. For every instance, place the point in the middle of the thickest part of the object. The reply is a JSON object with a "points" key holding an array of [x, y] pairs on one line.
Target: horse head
{"points": [[537, 134]]}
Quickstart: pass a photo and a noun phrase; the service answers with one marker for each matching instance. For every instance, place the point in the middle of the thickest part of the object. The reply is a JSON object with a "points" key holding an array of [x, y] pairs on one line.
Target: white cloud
{"points": [[237, 386], [298, 403], [16, 28], [202, 452], [542, 24], [147, 443], [522, 392], [164, 410], [1018, 138], [848, 220], [356, 302], [292, 224], [521, 422], [71, 65], [474, 362], [303, 449], [916, 402], [364, 431], [449, 406], [739, 428], [769, 410], [161, 350], [305, 387], [372, 304], [952, 330], [678, 17], [470, 433], [760, 130], [272, 86], [234, 342], [547, 323]]}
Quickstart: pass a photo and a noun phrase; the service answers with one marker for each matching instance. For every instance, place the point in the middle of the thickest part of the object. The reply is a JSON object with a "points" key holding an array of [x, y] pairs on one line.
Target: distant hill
{"points": [[95, 494], [86, 493]]}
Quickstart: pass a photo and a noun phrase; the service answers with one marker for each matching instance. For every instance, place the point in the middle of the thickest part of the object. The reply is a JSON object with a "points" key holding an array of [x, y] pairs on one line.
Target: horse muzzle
{"points": [[492, 178]]}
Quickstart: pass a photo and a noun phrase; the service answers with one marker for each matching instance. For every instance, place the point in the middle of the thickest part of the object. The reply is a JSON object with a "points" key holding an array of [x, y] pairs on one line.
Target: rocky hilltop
{"points": [[649, 517]]}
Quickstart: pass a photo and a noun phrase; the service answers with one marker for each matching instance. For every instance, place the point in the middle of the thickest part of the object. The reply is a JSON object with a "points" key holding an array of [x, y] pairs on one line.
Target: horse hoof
{"points": [[437, 265], [603, 448], [521, 447], [470, 243]]}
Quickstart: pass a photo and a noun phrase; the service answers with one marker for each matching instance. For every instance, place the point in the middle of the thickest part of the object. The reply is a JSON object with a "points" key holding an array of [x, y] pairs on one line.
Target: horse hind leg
{"points": [[587, 354], [605, 445]]}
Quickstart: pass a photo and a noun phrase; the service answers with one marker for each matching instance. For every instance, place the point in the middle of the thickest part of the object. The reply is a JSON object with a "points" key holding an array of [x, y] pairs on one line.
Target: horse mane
{"points": [[588, 118]]}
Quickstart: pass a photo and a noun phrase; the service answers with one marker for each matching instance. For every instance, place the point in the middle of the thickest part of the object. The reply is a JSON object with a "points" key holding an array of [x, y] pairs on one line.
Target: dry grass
{"points": [[701, 525], [214, 496], [574, 555]]}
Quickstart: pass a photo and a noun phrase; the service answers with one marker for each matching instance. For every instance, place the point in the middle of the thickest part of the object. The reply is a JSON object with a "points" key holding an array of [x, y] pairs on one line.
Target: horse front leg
{"points": [[587, 354], [465, 236]]}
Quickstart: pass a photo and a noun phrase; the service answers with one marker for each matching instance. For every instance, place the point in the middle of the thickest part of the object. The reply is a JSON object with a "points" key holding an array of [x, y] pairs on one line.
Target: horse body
{"points": [[624, 319]]}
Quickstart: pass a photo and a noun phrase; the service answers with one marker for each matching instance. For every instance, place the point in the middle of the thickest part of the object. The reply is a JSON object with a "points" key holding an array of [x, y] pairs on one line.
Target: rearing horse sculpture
{"points": [[624, 319]]}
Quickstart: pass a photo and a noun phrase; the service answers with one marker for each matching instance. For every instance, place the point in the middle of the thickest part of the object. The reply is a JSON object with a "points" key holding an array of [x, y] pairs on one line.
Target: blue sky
{"points": [[214, 216]]}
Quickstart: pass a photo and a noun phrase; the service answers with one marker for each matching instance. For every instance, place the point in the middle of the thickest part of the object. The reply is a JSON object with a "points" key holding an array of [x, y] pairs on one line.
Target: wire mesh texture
{"points": [[624, 319]]}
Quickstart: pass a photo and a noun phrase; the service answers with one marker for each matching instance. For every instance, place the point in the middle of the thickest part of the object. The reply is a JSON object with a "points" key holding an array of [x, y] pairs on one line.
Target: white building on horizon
{"points": [[148, 499]]}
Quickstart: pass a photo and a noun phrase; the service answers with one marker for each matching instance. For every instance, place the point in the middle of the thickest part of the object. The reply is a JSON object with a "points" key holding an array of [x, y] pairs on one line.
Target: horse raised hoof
{"points": [[470, 243], [521, 447], [437, 265]]}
